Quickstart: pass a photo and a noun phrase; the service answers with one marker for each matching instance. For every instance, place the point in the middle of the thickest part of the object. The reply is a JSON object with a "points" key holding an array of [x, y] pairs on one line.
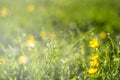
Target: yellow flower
{"points": [[42, 34], [52, 35], [94, 63], [2, 60], [73, 78], [22, 59], [30, 8], [31, 41], [94, 43], [4, 11], [94, 56], [92, 70], [103, 35]]}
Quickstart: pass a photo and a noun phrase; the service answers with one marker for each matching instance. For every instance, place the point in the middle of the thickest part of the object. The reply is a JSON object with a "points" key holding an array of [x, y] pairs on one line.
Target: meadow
{"points": [[59, 40]]}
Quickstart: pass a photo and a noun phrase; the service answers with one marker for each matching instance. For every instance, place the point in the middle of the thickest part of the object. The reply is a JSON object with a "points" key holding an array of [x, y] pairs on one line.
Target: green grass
{"points": [[58, 59], [53, 41]]}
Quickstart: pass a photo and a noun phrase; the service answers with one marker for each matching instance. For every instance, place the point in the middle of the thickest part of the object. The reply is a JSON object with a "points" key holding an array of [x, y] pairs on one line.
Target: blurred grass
{"points": [[62, 31], [59, 14]]}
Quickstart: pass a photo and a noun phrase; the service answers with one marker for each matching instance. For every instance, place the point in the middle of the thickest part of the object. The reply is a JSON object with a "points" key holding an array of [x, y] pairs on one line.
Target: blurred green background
{"points": [[58, 15]]}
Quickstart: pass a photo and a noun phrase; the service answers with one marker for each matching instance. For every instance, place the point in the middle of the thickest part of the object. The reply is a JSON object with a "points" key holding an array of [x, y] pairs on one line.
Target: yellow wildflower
{"points": [[94, 43], [52, 35], [94, 63], [22, 59], [94, 56], [30, 8], [4, 11], [103, 35], [92, 70], [2, 60], [42, 34], [73, 78], [31, 41]]}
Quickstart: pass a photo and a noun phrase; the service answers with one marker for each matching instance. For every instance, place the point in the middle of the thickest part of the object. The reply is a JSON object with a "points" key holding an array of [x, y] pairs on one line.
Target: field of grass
{"points": [[59, 40]]}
